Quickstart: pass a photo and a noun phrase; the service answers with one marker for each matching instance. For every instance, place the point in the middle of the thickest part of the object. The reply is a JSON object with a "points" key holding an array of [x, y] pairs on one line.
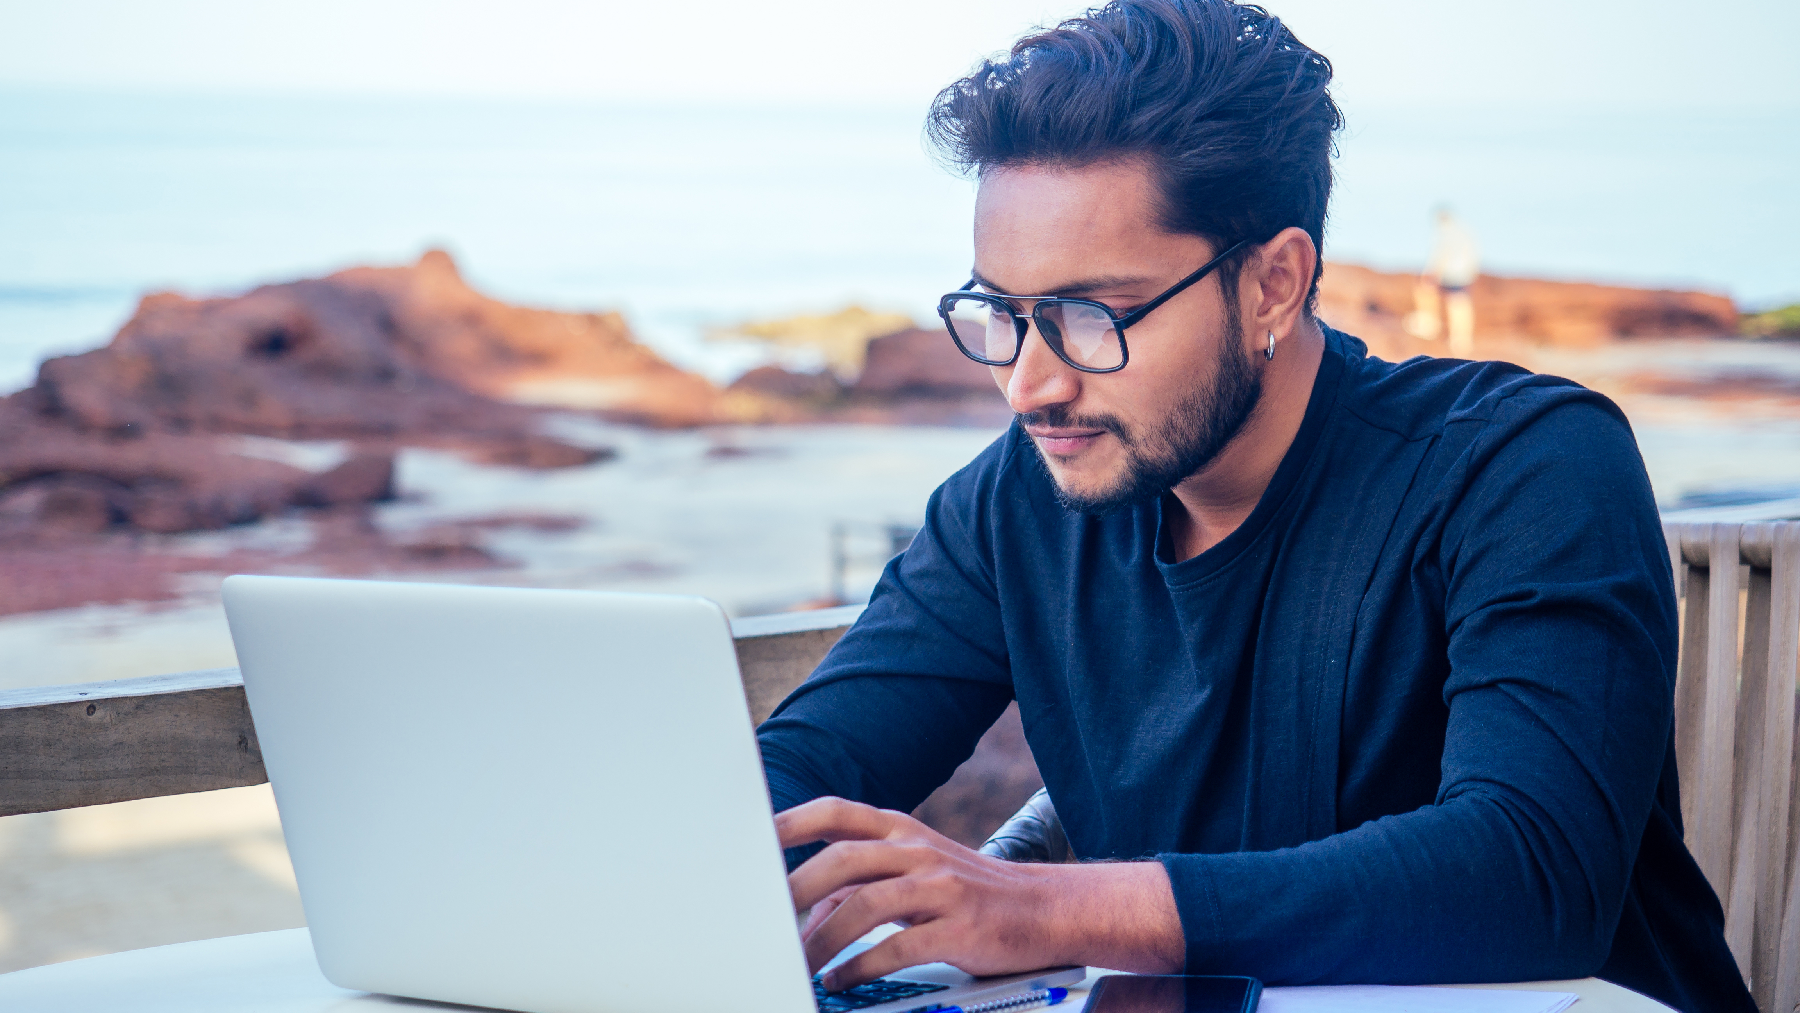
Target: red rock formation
{"points": [[55, 480], [773, 381], [397, 352], [1372, 305], [135, 435], [921, 361], [910, 377], [536, 356], [364, 478]]}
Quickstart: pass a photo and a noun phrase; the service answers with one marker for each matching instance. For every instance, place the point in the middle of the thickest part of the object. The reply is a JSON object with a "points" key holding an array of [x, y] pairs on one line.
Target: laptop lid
{"points": [[522, 799]]}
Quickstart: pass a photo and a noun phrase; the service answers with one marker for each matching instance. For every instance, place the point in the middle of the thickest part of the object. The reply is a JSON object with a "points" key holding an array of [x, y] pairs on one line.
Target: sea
{"points": [[689, 218]]}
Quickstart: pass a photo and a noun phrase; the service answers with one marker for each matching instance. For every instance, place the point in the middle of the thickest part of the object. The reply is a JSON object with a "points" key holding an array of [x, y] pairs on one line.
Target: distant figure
{"points": [[1455, 264]]}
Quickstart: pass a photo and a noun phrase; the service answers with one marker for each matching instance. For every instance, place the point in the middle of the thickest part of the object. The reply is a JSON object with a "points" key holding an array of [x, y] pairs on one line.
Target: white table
{"points": [[274, 972]]}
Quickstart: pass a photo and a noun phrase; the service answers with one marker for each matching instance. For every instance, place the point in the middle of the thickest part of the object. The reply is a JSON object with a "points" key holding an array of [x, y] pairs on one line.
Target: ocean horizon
{"points": [[687, 218]]}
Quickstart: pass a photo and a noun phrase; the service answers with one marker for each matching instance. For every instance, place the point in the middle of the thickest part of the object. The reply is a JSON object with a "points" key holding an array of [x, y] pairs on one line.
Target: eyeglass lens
{"points": [[1083, 334], [984, 331]]}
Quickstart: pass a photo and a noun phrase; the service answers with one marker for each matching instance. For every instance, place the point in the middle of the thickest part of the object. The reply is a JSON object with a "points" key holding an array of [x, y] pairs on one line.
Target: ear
{"points": [[1276, 281]]}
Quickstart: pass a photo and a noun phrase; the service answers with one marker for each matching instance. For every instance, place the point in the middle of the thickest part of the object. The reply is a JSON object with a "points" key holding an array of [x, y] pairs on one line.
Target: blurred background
{"points": [[639, 297]]}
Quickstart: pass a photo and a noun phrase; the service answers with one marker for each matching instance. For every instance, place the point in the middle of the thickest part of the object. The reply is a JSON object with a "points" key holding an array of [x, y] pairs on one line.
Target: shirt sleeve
{"points": [[903, 698], [1560, 618]]}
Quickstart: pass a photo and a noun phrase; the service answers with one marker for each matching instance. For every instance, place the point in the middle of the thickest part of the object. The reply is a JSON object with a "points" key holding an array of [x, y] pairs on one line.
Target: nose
{"points": [[1037, 378]]}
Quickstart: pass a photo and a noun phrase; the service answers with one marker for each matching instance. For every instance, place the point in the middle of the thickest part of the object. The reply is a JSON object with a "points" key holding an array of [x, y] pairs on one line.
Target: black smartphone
{"points": [[1174, 993]]}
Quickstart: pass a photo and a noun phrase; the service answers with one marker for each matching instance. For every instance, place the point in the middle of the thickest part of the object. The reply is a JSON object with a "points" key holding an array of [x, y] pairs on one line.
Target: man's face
{"points": [[1110, 439]]}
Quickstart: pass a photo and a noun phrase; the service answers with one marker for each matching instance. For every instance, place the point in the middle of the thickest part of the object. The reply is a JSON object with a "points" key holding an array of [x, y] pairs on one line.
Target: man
{"points": [[1337, 670], [1455, 264], [1442, 290]]}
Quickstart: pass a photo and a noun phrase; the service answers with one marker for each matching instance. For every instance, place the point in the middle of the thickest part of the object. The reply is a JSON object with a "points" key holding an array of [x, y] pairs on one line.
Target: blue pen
{"points": [[1024, 1000]]}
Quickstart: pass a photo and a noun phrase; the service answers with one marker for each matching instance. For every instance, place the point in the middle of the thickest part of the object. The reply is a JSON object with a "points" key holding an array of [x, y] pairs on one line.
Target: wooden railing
{"points": [[1736, 697], [68, 746], [1735, 704]]}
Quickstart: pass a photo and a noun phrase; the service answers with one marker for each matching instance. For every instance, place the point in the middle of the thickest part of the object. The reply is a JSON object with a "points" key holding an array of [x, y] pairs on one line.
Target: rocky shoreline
{"points": [[112, 452]]}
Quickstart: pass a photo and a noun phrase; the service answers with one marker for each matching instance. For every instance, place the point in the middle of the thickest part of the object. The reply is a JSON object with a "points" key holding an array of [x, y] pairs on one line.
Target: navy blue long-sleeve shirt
{"points": [[1410, 722]]}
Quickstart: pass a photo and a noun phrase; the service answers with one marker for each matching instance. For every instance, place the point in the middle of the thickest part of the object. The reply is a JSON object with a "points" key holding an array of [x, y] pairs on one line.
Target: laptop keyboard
{"points": [[872, 993]]}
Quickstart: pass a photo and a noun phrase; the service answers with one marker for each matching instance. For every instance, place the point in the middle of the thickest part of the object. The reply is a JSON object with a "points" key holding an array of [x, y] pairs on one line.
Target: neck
{"points": [[1216, 499]]}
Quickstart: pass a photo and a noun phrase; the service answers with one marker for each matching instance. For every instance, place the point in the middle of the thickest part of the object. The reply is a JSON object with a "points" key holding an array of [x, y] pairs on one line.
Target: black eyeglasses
{"points": [[1086, 334]]}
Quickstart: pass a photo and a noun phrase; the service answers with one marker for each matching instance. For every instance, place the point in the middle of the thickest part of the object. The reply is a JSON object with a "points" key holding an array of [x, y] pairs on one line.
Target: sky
{"points": [[1633, 141], [1635, 54]]}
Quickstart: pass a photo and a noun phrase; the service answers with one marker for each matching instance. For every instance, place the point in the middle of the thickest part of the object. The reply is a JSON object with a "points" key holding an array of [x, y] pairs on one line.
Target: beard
{"points": [[1188, 439]]}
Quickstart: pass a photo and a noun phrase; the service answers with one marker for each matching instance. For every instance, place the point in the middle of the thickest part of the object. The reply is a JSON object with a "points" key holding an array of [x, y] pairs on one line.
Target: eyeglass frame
{"points": [[1033, 319]]}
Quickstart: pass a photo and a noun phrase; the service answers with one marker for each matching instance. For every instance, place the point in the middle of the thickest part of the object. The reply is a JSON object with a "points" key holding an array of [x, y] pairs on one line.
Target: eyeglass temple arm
{"points": [[1205, 269]]}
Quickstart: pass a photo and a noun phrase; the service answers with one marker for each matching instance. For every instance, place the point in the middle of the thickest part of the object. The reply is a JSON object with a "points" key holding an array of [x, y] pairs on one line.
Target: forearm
{"points": [[1475, 889], [903, 697], [883, 740]]}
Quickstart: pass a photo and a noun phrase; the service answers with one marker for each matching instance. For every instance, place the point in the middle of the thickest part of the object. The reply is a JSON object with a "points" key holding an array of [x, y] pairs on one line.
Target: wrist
{"points": [[1117, 915]]}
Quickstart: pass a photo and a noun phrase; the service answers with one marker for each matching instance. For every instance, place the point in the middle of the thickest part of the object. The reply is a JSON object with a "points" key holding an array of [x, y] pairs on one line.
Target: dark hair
{"points": [[1231, 110]]}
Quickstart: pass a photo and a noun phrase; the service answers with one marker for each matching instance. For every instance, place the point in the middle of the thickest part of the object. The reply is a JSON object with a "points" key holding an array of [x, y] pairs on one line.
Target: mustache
{"points": [[1060, 417]]}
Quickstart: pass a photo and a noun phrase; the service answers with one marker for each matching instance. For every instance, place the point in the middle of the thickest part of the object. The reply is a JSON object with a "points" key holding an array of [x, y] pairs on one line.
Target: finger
{"points": [[823, 909], [871, 906], [850, 863], [910, 948], [832, 819]]}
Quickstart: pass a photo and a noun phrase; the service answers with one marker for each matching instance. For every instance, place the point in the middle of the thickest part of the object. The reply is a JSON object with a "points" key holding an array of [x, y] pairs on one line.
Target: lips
{"points": [[1063, 442]]}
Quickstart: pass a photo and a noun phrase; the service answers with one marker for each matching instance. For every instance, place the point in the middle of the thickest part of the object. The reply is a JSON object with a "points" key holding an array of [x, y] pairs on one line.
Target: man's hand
{"points": [[982, 914]]}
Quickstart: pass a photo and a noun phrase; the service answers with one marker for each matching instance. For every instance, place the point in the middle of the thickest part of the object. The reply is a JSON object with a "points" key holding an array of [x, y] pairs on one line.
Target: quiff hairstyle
{"points": [[1231, 111]]}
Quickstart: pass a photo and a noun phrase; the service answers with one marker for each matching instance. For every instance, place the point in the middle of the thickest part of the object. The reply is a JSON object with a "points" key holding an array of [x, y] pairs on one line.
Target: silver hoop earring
{"points": [[1269, 353]]}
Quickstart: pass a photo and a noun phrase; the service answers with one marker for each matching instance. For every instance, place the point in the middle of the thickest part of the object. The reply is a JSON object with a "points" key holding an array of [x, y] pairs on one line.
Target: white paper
{"points": [[1409, 999]]}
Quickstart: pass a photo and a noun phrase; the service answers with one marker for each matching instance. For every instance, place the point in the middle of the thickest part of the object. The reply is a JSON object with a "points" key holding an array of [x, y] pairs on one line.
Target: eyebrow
{"points": [[1069, 289]]}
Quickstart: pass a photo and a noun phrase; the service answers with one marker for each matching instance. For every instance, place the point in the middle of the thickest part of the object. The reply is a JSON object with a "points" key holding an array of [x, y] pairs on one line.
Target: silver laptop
{"points": [[547, 801]]}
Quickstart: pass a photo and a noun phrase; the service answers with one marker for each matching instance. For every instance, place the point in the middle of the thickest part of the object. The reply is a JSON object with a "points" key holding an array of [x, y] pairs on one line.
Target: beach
{"points": [[663, 231]]}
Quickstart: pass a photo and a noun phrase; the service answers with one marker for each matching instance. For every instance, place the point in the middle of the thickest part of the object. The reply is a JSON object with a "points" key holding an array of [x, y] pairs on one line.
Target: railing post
{"points": [[1775, 978], [1710, 837], [1690, 680], [1751, 807]]}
